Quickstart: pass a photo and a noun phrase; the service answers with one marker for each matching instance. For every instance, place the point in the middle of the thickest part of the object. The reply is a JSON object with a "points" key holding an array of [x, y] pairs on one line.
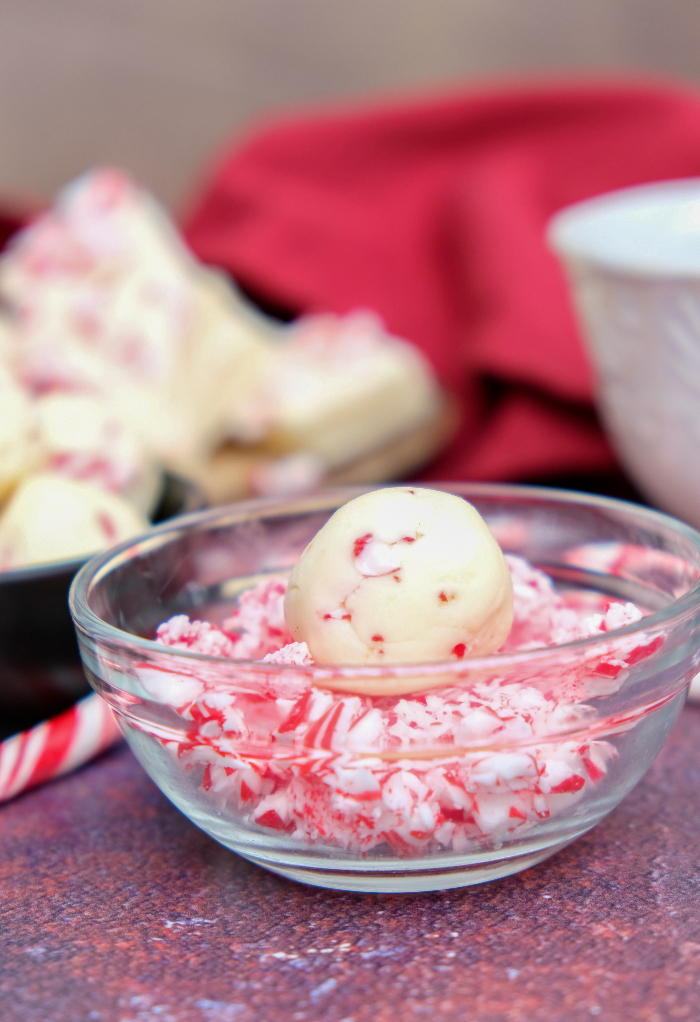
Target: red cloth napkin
{"points": [[433, 213], [10, 221]]}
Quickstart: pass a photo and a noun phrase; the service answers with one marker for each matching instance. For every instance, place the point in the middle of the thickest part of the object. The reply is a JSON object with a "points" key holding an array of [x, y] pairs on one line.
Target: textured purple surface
{"points": [[114, 907]]}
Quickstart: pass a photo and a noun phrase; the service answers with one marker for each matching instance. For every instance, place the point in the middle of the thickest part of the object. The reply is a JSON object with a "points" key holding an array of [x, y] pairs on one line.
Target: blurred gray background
{"points": [[157, 86]]}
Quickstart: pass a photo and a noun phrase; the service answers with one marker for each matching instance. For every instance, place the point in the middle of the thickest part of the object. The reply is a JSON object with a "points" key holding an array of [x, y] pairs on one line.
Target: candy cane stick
{"points": [[56, 746]]}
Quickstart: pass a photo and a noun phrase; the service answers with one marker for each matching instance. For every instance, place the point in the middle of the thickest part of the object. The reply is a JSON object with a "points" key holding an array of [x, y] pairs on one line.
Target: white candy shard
{"points": [[294, 653]]}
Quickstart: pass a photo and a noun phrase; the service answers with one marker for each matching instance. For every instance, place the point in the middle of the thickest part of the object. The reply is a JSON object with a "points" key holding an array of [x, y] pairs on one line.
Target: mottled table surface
{"points": [[114, 907]]}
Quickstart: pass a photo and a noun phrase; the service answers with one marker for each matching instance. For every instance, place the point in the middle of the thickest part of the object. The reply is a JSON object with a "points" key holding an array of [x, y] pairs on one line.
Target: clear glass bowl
{"points": [[487, 767]]}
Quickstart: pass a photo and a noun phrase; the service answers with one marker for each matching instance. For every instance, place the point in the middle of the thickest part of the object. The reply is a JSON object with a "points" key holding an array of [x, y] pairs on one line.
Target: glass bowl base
{"points": [[410, 880]]}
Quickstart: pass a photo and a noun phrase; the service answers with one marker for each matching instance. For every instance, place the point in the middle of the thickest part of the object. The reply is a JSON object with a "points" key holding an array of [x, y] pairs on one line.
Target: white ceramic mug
{"points": [[633, 261]]}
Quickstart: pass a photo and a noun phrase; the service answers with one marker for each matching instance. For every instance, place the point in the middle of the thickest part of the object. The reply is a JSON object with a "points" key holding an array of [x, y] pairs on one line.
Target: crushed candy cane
{"points": [[354, 771]]}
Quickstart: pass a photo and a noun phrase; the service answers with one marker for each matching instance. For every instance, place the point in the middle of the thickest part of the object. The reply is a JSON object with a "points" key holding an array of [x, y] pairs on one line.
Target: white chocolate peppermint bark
{"points": [[338, 388], [84, 438], [105, 299]]}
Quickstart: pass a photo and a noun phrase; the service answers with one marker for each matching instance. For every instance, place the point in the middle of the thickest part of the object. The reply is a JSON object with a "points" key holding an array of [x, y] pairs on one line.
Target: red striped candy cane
{"points": [[56, 746]]}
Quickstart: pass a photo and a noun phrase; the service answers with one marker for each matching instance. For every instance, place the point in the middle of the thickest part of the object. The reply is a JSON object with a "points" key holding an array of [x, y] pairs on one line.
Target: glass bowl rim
{"points": [[88, 622]]}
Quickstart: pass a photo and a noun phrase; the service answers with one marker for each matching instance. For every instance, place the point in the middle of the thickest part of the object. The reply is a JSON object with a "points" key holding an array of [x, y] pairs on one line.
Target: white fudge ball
{"points": [[401, 575]]}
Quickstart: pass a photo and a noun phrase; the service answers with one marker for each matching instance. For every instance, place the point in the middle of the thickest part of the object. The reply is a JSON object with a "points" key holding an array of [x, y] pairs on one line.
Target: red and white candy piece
{"points": [[56, 746]]}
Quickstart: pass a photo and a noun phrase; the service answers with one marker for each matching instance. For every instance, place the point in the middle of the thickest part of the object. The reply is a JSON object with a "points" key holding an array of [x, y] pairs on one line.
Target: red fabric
{"points": [[10, 221], [433, 214]]}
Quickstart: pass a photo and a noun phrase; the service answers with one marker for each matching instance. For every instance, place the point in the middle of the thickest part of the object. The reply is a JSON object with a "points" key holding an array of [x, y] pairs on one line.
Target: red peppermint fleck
{"points": [[274, 821], [325, 742], [443, 598], [573, 783], [107, 525], [296, 714], [361, 543], [246, 792], [459, 650], [517, 814], [206, 778], [453, 814], [367, 820], [608, 670], [398, 843], [594, 772], [641, 652], [357, 720], [377, 638], [315, 729], [86, 323], [408, 539]]}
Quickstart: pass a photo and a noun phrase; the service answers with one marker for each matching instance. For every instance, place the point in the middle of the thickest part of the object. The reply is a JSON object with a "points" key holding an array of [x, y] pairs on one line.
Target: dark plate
{"points": [[40, 671]]}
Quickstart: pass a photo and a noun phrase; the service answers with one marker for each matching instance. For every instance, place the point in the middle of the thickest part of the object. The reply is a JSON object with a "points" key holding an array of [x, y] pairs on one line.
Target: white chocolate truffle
{"points": [[51, 518], [401, 575]]}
